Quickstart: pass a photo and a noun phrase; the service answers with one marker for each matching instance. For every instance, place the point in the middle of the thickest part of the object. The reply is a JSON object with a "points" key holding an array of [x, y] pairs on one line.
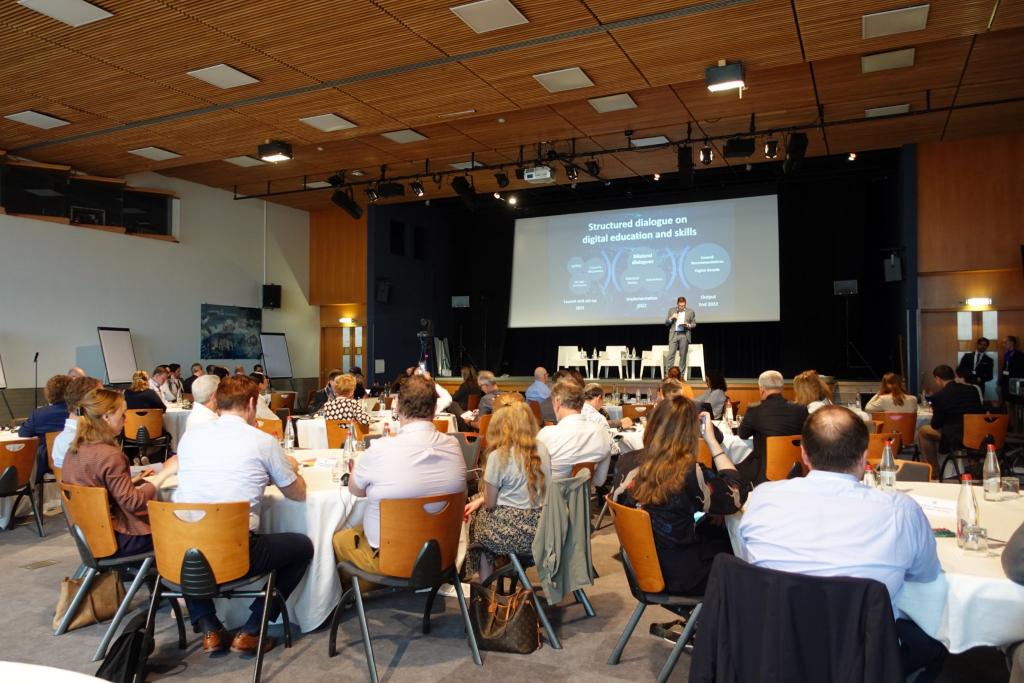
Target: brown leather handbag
{"points": [[101, 603], [503, 623]]}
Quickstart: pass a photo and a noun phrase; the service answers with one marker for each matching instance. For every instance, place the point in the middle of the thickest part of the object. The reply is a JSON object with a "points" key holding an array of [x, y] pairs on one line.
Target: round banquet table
{"points": [[971, 603], [328, 507], [16, 671], [312, 432], [175, 418]]}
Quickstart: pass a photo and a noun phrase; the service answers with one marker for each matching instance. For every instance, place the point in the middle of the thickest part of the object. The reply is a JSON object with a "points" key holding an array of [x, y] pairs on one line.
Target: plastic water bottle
{"points": [[966, 509], [289, 436], [387, 429], [728, 413], [350, 443], [869, 479], [336, 468], [887, 468], [990, 474]]}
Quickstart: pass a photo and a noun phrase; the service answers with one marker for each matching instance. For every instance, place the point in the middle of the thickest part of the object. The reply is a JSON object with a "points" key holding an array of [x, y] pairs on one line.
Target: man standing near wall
{"points": [[680, 321]]}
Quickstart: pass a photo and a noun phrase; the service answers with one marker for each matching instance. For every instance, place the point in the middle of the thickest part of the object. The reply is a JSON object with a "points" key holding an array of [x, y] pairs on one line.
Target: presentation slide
{"points": [[629, 266]]}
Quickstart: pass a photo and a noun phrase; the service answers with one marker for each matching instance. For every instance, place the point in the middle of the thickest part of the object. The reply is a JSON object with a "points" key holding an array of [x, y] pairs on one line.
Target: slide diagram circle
{"points": [[707, 266]]}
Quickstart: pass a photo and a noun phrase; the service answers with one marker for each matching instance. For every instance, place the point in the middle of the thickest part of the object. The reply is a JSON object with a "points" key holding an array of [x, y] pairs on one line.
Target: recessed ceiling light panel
{"points": [[244, 161], [466, 165], [489, 15], [328, 123], [404, 136], [875, 112], [37, 119], [318, 185], [610, 103], [154, 153], [649, 142], [71, 12], [883, 61], [894, 21], [223, 76], [561, 80]]}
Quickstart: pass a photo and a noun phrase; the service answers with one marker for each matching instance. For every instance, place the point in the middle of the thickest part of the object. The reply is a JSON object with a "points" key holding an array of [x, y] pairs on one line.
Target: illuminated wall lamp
{"points": [[979, 301], [345, 321]]}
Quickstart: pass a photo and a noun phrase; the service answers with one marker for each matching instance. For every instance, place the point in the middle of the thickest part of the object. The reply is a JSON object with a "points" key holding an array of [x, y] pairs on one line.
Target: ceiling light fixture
{"points": [[497, 195], [724, 76], [417, 188], [484, 16], [244, 161], [649, 142], [347, 201], [738, 148], [892, 110], [684, 163], [71, 12], [345, 320], [501, 178], [883, 61], [895, 21], [707, 154], [372, 194], [561, 80], [223, 76], [512, 200], [979, 301], [610, 103], [593, 168], [771, 148], [37, 119], [274, 151], [796, 148], [852, 156], [154, 153], [404, 136], [464, 188], [357, 173], [657, 177], [328, 123]]}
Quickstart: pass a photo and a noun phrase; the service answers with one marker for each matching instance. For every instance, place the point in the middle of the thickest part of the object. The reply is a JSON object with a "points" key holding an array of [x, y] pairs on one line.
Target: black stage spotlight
{"points": [[771, 148], [738, 148], [336, 180], [465, 190], [372, 194], [707, 154], [274, 151], [390, 189], [520, 172], [502, 178], [572, 174], [796, 148], [417, 188], [593, 168], [684, 161], [345, 201]]}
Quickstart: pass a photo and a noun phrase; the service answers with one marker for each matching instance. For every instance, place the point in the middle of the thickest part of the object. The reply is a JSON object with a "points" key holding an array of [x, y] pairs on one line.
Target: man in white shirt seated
{"points": [[171, 390], [158, 379], [204, 397], [229, 459], [76, 391], [418, 462], [829, 524], [574, 439], [263, 411]]}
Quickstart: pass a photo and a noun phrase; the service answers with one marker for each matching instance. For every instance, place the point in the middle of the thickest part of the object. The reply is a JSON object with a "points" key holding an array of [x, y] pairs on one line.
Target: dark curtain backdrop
{"points": [[837, 219]]}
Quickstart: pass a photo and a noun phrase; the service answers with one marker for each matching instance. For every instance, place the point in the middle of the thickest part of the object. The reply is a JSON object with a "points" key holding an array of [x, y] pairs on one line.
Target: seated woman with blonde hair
{"points": [[517, 470], [343, 406], [892, 397], [94, 459], [811, 390]]}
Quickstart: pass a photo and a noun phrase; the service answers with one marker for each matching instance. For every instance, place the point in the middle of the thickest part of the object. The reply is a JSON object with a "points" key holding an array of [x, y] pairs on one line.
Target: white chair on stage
{"points": [[612, 357], [694, 359], [570, 357], [653, 358]]}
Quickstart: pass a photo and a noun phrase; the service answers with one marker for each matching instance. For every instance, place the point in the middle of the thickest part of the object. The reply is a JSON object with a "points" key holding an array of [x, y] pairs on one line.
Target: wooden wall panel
{"points": [[968, 213], [948, 291], [337, 258]]}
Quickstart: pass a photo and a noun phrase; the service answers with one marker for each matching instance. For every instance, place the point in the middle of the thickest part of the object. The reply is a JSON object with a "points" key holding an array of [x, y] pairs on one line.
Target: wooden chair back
{"points": [[88, 508], [910, 470], [406, 524], [152, 419], [337, 432], [485, 422], [781, 453], [633, 527], [634, 411], [537, 415], [219, 530], [21, 455], [389, 402], [687, 390], [977, 427], [904, 424], [273, 427], [473, 402], [282, 399], [580, 466], [441, 425], [704, 454], [735, 408], [876, 444], [50, 438], [877, 426]]}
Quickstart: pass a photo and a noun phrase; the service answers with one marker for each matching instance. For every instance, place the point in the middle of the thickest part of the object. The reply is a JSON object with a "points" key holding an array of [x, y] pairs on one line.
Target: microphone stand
{"points": [[35, 389]]}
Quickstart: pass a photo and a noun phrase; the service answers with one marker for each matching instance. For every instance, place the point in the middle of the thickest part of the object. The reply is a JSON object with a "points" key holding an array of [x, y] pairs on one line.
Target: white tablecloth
{"points": [[972, 603], [175, 418], [328, 507], [312, 432]]}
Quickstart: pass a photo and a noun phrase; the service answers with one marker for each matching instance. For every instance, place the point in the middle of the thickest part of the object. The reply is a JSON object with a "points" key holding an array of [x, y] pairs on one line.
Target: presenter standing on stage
{"points": [[679, 321]]}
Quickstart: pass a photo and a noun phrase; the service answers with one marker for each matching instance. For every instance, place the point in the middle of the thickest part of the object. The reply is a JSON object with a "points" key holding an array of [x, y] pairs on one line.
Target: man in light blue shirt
{"points": [[829, 524], [539, 390]]}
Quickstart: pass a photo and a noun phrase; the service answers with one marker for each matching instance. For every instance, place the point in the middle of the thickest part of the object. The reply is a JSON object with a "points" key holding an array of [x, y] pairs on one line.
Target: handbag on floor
{"points": [[101, 603], [127, 657], [503, 623]]}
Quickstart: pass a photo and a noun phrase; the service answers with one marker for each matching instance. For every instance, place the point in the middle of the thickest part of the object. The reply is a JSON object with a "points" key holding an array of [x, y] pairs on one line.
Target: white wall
{"points": [[58, 283]]}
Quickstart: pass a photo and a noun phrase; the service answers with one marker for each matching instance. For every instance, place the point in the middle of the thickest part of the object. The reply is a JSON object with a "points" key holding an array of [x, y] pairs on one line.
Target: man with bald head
{"points": [[539, 390], [76, 372], [857, 531]]}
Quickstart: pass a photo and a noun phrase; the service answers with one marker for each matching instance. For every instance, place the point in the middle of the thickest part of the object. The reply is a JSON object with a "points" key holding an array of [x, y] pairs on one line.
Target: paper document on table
{"points": [[153, 467], [937, 506]]}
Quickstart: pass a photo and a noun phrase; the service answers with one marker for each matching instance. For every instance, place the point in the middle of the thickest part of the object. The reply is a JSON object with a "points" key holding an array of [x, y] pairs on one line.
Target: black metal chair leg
{"points": [[332, 643], [267, 598], [122, 609], [465, 616], [673, 657], [154, 602], [283, 605], [634, 619], [180, 619], [14, 511], [35, 513], [429, 608], [367, 645]]}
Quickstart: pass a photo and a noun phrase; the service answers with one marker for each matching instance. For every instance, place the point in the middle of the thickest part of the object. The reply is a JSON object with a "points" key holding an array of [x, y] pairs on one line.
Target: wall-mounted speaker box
{"points": [[383, 292], [893, 268], [271, 296]]}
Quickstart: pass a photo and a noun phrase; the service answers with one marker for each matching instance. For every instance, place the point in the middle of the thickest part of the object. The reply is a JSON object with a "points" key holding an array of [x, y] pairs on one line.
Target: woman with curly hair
{"points": [[517, 471]]}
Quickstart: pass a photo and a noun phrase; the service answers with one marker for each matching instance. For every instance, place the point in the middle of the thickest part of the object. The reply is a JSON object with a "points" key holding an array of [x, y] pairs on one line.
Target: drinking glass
{"points": [[1009, 488], [976, 539]]}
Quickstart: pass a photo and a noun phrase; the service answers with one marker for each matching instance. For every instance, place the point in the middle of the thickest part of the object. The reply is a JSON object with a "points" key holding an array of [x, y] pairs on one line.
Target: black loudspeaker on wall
{"points": [[271, 296], [893, 267], [383, 291]]}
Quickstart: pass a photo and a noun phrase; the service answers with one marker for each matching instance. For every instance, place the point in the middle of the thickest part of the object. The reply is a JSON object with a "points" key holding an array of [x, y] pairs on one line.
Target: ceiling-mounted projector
{"points": [[539, 175]]}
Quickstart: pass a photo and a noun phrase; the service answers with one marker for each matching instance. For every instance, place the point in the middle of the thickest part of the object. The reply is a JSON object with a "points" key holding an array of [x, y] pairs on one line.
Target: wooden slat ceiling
{"points": [[387, 65]]}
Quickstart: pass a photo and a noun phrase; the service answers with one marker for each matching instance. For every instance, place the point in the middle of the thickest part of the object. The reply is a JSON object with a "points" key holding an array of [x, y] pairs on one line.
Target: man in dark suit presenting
{"points": [[977, 367], [679, 321]]}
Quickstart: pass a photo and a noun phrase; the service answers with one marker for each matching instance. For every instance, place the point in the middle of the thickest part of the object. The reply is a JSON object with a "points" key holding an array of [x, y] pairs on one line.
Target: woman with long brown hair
{"points": [[672, 487], [94, 459], [515, 476], [892, 396]]}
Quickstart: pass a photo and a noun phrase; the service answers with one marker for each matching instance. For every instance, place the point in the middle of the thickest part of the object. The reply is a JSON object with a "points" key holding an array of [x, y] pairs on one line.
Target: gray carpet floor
{"points": [[28, 593]]}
